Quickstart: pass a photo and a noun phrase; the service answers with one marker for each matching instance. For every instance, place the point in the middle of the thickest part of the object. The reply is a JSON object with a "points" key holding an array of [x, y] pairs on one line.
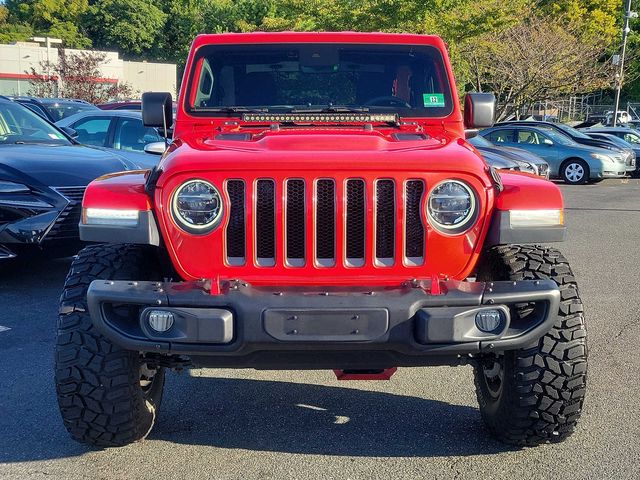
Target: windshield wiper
{"points": [[331, 109], [232, 109]]}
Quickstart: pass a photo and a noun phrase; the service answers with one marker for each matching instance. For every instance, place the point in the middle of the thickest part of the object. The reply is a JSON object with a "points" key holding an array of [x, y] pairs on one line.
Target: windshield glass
{"points": [[557, 137], [571, 131], [60, 109], [406, 79], [480, 141], [18, 125]]}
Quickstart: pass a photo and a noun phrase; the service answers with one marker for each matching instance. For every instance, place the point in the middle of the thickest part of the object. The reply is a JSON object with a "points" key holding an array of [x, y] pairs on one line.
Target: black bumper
{"points": [[317, 328]]}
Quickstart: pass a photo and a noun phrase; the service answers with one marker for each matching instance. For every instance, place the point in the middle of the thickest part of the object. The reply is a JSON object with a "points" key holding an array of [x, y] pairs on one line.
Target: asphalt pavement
{"points": [[424, 423]]}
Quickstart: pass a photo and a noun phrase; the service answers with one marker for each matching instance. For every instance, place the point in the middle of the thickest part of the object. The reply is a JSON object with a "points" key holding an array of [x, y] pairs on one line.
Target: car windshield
{"points": [[557, 137], [571, 131], [59, 109], [613, 139], [480, 141], [406, 79], [19, 125]]}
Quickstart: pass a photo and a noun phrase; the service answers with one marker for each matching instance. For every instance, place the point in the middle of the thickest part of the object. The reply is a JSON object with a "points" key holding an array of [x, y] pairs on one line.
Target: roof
{"points": [[318, 37], [98, 113]]}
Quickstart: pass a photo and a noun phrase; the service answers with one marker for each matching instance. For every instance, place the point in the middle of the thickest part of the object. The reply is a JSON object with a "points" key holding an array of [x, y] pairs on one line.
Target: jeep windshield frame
{"points": [[409, 80]]}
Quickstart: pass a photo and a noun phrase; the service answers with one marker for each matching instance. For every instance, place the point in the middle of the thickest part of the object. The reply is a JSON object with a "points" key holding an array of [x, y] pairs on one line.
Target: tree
{"points": [[540, 58], [131, 26], [75, 75]]}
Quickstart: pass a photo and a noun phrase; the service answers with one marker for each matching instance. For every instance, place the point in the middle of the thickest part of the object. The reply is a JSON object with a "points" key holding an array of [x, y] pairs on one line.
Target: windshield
{"points": [[480, 141], [19, 125], [62, 109], [571, 131], [405, 79], [557, 137]]}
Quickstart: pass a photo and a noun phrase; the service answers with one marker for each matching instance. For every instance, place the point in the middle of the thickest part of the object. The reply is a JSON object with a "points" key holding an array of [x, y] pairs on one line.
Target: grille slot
{"points": [[355, 223], [265, 222], [325, 222], [236, 229], [414, 229], [295, 222], [66, 225], [385, 222]]}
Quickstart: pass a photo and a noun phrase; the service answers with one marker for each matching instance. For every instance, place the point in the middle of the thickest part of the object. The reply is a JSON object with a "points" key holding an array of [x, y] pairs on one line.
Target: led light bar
{"points": [[535, 218], [110, 216], [320, 117]]}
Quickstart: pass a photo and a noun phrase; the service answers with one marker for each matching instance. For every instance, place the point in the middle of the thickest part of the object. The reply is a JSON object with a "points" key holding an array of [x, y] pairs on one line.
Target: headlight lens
{"points": [[12, 187], [602, 157], [197, 206], [451, 207]]}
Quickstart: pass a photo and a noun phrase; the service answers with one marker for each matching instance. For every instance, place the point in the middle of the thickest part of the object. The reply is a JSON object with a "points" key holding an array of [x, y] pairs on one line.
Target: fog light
{"points": [[489, 321], [160, 320]]}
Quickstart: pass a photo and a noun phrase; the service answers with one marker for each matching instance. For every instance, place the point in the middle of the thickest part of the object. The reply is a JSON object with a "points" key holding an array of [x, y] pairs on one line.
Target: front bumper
{"points": [[317, 328]]}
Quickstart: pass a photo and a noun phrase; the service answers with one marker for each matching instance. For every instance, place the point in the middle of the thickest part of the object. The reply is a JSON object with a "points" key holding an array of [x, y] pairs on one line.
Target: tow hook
{"points": [[384, 374]]}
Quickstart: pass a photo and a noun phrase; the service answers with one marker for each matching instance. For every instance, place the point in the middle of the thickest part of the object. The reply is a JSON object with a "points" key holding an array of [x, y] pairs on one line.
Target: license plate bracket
{"points": [[326, 325]]}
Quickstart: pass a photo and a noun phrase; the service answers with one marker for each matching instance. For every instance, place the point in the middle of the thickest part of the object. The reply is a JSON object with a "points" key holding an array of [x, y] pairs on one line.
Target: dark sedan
{"points": [[527, 161], [43, 175], [54, 109]]}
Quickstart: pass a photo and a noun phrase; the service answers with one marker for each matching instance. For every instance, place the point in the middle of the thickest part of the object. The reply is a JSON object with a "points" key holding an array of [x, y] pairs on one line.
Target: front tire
{"points": [[535, 395], [575, 172], [107, 396]]}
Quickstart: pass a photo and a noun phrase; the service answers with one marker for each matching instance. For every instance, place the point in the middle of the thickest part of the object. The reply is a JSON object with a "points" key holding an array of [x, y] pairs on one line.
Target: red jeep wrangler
{"points": [[319, 208]]}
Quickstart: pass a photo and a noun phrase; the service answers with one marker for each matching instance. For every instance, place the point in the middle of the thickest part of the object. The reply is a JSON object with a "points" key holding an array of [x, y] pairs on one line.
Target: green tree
{"points": [[130, 26]]}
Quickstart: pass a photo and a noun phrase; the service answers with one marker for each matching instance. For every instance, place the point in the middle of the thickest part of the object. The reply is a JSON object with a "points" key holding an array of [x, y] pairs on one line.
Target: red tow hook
{"points": [[385, 374]]}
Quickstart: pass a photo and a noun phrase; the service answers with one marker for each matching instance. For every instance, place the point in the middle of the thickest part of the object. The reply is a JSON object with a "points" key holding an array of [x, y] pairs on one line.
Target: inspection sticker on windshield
{"points": [[433, 99]]}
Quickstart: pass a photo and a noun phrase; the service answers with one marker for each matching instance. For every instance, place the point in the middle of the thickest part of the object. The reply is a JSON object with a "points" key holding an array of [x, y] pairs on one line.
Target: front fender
{"points": [[117, 209]]}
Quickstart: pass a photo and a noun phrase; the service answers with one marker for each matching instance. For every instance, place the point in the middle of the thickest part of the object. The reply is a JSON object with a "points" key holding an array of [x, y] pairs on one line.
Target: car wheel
{"points": [[575, 172]]}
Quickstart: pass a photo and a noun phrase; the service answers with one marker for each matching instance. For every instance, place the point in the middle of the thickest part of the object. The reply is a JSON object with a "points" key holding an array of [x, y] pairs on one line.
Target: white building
{"points": [[18, 58]]}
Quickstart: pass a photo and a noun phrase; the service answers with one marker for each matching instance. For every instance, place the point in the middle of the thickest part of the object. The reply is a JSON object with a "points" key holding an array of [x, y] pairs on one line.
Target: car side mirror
{"points": [[547, 142], [157, 110], [471, 133], [70, 131], [155, 148], [479, 110]]}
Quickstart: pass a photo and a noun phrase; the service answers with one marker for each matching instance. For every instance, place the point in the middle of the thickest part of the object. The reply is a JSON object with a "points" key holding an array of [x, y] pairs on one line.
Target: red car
{"points": [[320, 208]]}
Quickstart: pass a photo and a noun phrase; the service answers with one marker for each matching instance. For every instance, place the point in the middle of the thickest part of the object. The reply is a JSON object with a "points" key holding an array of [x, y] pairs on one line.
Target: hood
{"points": [[496, 159], [520, 154], [322, 149], [61, 166]]}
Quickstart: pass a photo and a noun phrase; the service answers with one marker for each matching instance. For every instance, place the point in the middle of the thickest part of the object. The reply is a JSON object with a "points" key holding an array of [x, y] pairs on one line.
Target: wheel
{"points": [[575, 172], [107, 396], [535, 395]]}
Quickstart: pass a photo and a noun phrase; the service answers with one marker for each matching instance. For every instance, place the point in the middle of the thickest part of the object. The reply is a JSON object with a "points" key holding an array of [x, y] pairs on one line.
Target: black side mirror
{"points": [[157, 110], [479, 110], [69, 131]]}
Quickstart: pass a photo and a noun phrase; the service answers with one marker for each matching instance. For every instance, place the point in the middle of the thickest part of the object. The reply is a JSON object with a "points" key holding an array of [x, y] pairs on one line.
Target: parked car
{"points": [[43, 175], [632, 165], [121, 131], [121, 105], [527, 161], [284, 235], [566, 130], [54, 109], [572, 162]]}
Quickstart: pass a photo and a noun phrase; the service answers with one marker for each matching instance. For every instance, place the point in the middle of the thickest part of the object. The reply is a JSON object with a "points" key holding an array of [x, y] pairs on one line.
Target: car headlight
{"points": [[451, 207], [12, 187], [197, 206], [602, 157]]}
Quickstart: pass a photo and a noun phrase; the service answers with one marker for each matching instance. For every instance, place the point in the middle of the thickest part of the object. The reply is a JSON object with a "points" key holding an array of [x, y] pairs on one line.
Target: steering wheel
{"points": [[387, 101]]}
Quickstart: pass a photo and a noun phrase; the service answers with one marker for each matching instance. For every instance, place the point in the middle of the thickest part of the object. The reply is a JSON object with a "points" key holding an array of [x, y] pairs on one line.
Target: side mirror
{"points": [[547, 142], [469, 134], [155, 148], [69, 131], [157, 110], [479, 110]]}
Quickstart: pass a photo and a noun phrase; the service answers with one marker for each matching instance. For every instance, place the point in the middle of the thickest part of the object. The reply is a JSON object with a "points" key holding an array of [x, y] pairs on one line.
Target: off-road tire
{"points": [[98, 384], [542, 386]]}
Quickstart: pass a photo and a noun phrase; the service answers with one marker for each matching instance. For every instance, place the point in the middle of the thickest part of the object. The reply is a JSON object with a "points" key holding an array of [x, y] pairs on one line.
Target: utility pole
{"points": [[48, 41], [628, 14]]}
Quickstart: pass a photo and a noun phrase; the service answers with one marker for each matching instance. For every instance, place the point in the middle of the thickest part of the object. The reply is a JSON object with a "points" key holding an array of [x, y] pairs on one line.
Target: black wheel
{"points": [[535, 395], [575, 171], [107, 396]]}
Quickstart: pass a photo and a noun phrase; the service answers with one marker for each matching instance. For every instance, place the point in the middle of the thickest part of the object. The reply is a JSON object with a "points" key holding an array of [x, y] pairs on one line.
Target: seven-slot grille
{"points": [[66, 225], [325, 224]]}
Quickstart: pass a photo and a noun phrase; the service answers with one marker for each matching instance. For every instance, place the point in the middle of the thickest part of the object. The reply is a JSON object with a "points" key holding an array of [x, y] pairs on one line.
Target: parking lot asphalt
{"points": [[424, 423]]}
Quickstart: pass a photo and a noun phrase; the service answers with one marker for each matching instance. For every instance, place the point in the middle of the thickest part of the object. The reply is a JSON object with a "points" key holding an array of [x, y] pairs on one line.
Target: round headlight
{"points": [[451, 207], [197, 206]]}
